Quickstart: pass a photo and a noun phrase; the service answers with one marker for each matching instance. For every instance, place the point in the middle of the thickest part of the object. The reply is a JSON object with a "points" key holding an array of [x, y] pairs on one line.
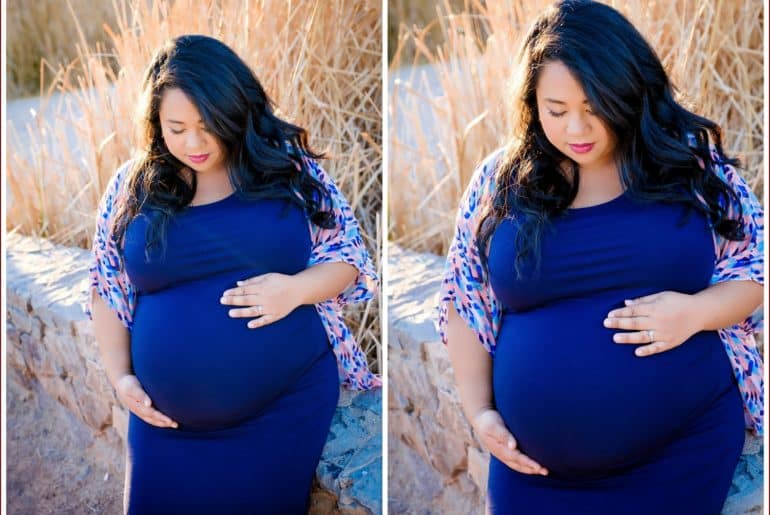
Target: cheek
{"points": [[551, 128], [174, 144]]}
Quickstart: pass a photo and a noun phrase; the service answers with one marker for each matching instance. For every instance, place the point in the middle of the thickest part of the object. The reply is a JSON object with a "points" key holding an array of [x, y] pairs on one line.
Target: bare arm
{"points": [[473, 372], [324, 281], [726, 303], [472, 366], [114, 342]]}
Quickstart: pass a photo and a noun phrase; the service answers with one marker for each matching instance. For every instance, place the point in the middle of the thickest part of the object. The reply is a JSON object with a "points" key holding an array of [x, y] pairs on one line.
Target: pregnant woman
{"points": [[598, 293], [222, 256]]}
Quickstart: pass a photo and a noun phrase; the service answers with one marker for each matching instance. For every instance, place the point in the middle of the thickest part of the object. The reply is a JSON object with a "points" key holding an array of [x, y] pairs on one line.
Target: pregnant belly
{"points": [[582, 405], [209, 371]]}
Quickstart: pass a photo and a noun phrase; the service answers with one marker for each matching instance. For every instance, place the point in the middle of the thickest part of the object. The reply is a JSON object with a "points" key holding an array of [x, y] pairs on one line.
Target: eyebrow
{"points": [[177, 121], [551, 100]]}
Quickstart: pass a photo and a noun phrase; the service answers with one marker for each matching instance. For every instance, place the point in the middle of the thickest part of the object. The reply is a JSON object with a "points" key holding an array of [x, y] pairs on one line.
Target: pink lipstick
{"points": [[582, 148], [199, 158]]}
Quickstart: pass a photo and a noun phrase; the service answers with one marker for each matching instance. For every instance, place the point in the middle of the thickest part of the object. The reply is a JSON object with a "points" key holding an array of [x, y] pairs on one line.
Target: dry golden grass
{"points": [[712, 51], [38, 29], [320, 60]]}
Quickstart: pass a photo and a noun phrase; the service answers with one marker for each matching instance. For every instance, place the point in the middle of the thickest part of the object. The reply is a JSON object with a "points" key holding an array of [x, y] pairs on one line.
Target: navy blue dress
{"points": [[619, 434], [254, 406]]}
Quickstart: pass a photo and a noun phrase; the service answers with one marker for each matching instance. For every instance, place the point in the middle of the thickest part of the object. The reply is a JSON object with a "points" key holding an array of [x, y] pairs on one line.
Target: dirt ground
{"points": [[51, 460]]}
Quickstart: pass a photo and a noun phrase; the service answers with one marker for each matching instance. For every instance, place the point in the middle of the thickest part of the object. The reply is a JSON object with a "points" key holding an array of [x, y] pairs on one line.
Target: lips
{"points": [[199, 158], [581, 148]]}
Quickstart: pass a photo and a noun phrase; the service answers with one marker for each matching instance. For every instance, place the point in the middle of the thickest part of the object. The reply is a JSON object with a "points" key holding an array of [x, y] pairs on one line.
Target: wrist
{"points": [[116, 377], [478, 412], [697, 310], [297, 294]]}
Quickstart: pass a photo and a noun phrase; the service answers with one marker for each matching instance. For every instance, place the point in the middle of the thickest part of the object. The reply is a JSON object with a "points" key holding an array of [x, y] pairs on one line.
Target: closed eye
{"points": [[176, 132], [556, 115]]}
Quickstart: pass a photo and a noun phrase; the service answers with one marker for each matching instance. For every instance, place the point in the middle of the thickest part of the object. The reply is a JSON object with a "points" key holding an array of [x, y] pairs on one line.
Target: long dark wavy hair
{"points": [[662, 149], [263, 153]]}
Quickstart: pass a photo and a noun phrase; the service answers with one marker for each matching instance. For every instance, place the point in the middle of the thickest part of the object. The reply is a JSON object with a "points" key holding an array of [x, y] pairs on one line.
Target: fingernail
{"points": [[239, 283], [629, 301], [222, 300], [606, 322], [147, 402]]}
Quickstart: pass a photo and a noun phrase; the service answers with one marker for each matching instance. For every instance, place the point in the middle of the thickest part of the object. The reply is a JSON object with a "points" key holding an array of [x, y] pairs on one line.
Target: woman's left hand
{"points": [[268, 298], [659, 322]]}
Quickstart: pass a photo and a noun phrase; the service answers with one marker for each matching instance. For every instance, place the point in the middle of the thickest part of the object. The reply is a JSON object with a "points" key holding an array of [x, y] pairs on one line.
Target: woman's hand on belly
{"points": [[659, 322], [491, 429], [133, 396], [269, 297]]}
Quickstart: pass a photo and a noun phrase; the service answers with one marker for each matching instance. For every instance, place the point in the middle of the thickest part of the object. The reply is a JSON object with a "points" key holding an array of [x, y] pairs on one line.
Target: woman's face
{"points": [[186, 136], [567, 119]]}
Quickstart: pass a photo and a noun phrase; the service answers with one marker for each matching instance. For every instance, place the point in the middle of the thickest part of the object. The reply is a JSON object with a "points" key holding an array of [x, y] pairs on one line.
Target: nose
{"points": [[195, 140], [577, 125]]}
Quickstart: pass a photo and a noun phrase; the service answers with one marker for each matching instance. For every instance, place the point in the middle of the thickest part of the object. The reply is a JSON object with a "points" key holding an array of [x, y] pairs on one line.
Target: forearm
{"points": [[323, 281], [727, 303], [472, 366], [113, 340]]}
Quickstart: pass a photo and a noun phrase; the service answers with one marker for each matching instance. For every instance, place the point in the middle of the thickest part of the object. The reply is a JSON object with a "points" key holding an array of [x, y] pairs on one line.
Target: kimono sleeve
{"points": [[343, 243], [742, 260], [106, 274], [464, 283]]}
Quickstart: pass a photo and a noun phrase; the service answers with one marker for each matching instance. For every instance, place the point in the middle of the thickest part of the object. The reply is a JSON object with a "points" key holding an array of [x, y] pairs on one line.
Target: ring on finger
{"points": [[651, 335], [258, 309]]}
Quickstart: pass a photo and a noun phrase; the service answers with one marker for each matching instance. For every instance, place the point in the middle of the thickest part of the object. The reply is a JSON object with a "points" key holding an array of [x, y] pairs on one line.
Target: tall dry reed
{"points": [[320, 60], [446, 117], [38, 33]]}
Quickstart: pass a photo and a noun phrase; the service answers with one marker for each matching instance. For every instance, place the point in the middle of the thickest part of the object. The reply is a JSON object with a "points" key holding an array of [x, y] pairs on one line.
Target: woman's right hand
{"points": [[133, 396], [500, 442]]}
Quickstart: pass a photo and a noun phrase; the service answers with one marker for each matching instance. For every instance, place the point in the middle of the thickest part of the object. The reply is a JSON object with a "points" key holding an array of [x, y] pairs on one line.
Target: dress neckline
{"points": [[599, 206], [214, 203]]}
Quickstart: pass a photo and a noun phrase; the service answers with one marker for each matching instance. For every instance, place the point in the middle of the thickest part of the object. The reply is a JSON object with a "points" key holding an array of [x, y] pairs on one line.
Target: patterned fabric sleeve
{"points": [[743, 260], [465, 284], [344, 243], [106, 275]]}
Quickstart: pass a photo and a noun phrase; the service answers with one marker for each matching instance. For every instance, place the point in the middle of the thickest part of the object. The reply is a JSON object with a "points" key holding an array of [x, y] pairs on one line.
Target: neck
{"points": [[211, 186], [598, 184]]}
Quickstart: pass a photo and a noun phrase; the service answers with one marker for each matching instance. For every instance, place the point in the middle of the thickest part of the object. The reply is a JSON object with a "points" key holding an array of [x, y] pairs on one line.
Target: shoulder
{"points": [[115, 188], [482, 183]]}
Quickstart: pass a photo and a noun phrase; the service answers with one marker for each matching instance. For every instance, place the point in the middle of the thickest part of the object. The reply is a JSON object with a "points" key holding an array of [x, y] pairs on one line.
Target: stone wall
{"points": [[436, 465], [51, 352]]}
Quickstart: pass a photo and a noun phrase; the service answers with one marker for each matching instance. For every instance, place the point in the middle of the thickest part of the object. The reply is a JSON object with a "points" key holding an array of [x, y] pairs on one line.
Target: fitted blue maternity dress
{"points": [[254, 406], [620, 434]]}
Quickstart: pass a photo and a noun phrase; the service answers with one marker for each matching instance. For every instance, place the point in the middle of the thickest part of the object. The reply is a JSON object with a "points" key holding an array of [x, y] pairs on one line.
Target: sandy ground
{"points": [[51, 468]]}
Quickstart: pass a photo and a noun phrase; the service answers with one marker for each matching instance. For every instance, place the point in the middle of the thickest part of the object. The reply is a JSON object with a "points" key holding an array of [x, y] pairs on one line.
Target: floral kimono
{"points": [[341, 243], [466, 286]]}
